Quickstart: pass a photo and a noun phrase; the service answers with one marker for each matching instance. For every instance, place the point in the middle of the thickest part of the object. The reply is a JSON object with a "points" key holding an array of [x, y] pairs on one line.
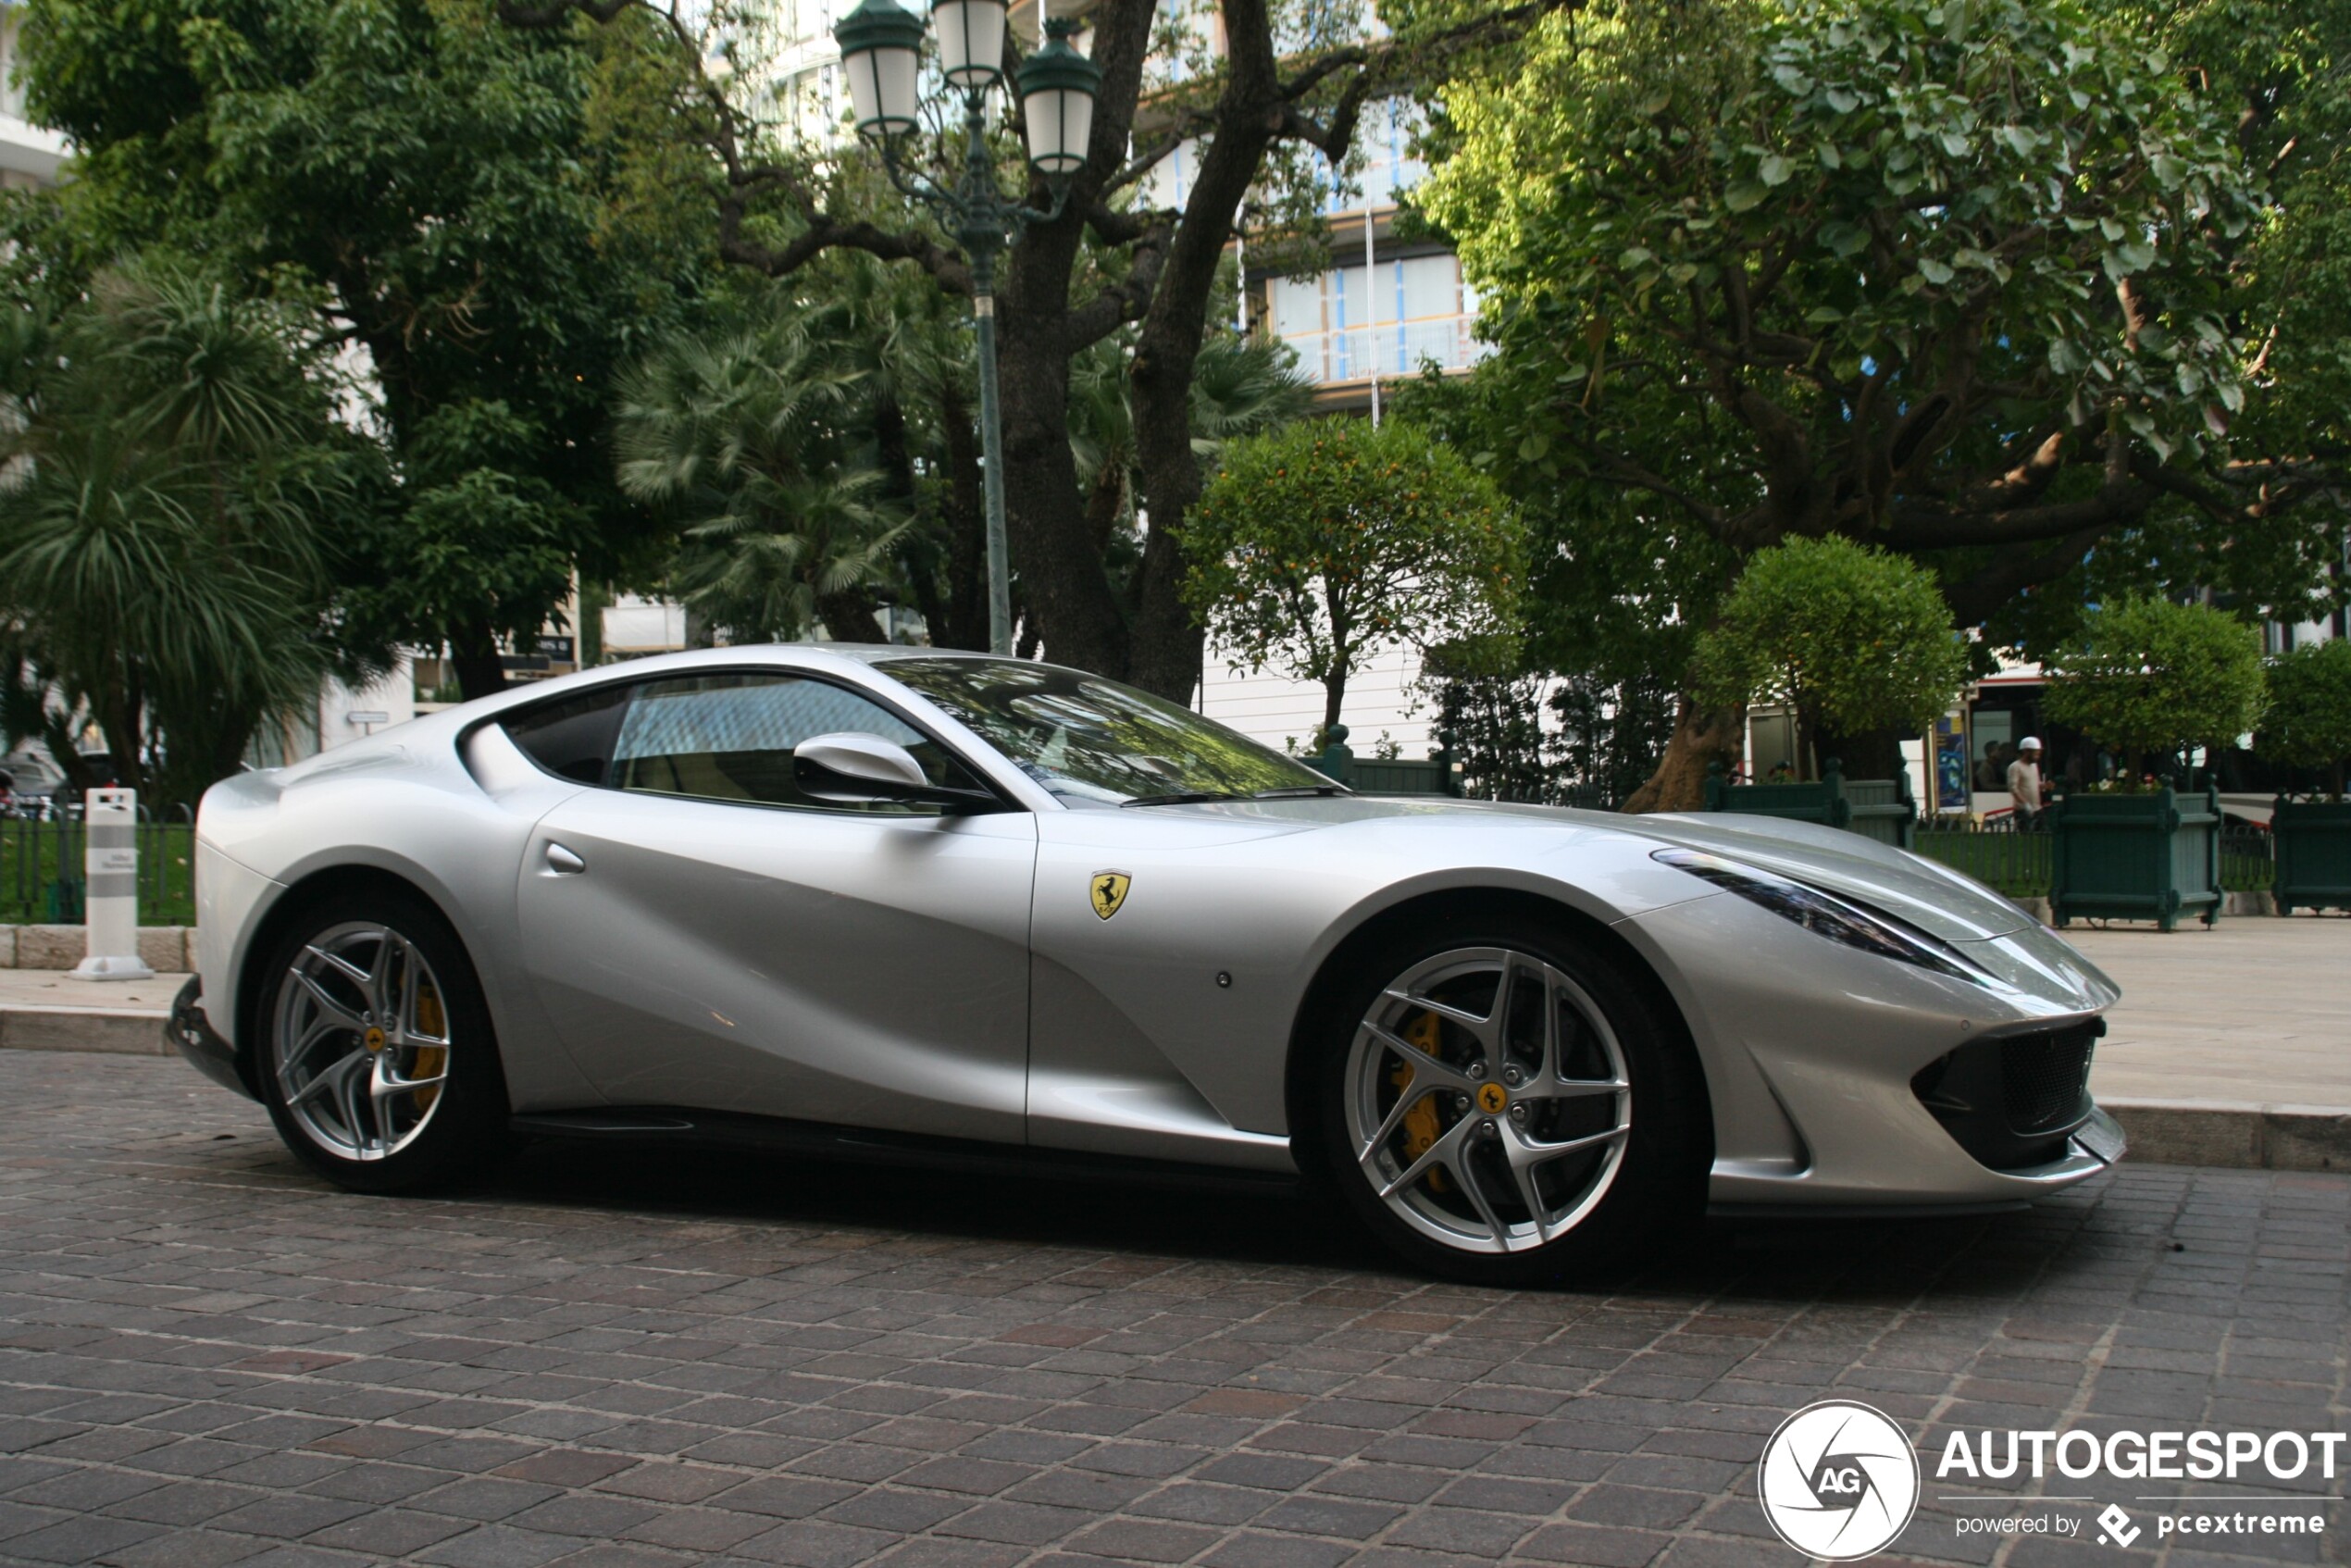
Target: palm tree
{"points": [[170, 479], [1240, 386], [749, 439]]}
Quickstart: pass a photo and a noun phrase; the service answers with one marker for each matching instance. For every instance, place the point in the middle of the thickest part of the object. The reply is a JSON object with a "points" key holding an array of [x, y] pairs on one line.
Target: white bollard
{"points": [[110, 909]]}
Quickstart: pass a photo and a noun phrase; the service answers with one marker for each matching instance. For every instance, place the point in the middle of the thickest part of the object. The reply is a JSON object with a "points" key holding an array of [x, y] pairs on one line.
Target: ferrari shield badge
{"points": [[1108, 891]]}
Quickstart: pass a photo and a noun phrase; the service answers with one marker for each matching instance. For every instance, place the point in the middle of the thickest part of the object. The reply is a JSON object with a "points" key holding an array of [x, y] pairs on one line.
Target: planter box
{"points": [[2154, 856], [1875, 808], [2313, 843]]}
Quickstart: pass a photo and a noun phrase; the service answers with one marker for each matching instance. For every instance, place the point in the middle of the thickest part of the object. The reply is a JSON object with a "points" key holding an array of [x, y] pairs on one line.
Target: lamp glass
{"points": [[1060, 121], [971, 41], [881, 45], [881, 90], [1057, 86]]}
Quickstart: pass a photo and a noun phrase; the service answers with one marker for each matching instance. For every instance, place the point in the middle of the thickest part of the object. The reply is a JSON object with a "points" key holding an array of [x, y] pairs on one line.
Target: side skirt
{"points": [[822, 1140]]}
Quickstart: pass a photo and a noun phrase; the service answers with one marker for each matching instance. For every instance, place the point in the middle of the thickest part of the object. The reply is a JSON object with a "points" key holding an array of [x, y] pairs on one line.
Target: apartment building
{"points": [[30, 155]]}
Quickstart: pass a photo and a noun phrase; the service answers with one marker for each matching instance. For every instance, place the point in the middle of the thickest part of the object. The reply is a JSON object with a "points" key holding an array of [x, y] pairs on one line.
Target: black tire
{"points": [[1652, 1199], [461, 1129]]}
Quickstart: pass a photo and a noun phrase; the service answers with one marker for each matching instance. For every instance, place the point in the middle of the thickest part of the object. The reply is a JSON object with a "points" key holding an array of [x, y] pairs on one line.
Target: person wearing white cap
{"points": [[2024, 782]]}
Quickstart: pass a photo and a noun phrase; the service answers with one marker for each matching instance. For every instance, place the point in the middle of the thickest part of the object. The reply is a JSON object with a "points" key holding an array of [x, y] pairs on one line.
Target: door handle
{"points": [[563, 862]]}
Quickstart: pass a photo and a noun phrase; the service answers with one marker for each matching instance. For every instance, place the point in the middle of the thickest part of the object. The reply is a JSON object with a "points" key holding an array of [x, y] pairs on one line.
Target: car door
{"points": [[705, 935]]}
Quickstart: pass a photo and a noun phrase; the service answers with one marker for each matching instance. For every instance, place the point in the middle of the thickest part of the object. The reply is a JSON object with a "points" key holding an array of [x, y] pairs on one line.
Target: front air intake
{"points": [[2012, 1103]]}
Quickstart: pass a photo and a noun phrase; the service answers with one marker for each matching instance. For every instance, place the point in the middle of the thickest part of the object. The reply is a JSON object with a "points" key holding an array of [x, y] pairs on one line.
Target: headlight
{"points": [[1825, 914]]}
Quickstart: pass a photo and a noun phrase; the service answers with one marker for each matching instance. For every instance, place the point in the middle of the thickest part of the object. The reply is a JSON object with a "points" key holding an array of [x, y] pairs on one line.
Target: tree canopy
{"points": [[1321, 542], [1852, 638], [1263, 96], [2159, 678], [2309, 721], [466, 205], [1988, 284], [176, 499]]}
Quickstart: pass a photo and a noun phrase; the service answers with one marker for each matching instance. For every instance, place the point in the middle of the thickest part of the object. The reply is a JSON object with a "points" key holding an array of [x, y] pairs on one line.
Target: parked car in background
{"points": [[33, 784], [41, 788]]}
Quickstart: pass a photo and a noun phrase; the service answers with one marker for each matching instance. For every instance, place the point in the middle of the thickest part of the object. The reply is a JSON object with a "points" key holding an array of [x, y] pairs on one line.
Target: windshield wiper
{"points": [[1301, 792], [1182, 797]]}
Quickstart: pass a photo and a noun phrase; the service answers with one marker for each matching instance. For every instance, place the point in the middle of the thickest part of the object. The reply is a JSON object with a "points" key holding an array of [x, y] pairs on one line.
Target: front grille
{"points": [[2012, 1103], [2043, 1078]]}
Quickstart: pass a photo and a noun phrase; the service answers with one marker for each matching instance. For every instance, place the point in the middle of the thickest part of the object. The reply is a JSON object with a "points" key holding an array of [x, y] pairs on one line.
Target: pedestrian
{"points": [[2024, 782]]}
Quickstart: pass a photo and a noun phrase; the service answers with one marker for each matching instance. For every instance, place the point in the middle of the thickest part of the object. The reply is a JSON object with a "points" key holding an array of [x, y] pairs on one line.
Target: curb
{"points": [[161, 947], [2234, 1135], [124, 1031]]}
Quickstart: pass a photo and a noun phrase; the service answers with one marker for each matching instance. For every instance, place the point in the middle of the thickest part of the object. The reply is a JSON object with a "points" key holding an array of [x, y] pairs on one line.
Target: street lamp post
{"points": [[881, 51]]}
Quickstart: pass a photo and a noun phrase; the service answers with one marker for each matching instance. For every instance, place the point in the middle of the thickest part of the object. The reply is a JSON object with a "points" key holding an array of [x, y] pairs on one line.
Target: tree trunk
{"points": [[473, 653], [1700, 736], [965, 512], [1334, 698], [1062, 582], [121, 718], [848, 616]]}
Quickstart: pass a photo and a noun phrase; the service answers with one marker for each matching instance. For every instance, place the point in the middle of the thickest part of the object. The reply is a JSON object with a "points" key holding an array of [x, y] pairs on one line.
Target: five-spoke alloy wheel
{"points": [[377, 1061], [1504, 1103]]}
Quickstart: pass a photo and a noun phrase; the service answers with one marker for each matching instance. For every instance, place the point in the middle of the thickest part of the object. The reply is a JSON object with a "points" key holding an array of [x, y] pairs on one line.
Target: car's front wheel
{"points": [[379, 1062], [1502, 1106]]}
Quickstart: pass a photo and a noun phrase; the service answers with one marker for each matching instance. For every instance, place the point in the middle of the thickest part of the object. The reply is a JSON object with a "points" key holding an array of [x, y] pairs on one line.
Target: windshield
{"points": [[1090, 740]]}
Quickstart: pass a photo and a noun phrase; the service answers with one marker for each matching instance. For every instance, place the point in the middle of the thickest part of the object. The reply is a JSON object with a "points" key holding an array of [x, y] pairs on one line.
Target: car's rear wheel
{"points": [[1503, 1105], [379, 1062]]}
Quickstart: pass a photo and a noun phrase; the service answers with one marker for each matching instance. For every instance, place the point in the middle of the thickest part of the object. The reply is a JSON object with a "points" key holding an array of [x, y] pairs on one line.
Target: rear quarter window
{"points": [[573, 736]]}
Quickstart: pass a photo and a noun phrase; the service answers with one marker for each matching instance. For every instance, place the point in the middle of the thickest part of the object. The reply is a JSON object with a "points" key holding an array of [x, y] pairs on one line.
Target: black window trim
{"points": [[887, 705]]}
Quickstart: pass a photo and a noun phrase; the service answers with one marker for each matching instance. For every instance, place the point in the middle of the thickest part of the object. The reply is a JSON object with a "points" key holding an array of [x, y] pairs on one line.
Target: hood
{"points": [[1929, 895]]}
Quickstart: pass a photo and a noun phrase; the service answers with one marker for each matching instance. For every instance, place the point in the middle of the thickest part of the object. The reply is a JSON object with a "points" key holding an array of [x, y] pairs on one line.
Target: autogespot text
{"points": [[2151, 1456]]}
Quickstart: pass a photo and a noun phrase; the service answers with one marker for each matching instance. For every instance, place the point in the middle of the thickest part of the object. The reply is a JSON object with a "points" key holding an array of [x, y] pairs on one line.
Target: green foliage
{"points": [[2150, 676], [1854, 639], [2308, 721], [1989, 283], [751, 441], [1322, 541], [1870, 175], [176, 499], [466, 205], [1617, 585], [1241, 387]]}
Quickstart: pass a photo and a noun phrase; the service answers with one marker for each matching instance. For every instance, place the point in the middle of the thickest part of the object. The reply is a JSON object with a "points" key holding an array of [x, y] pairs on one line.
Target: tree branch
{"points": [[1950, 528], [1973, 599]]}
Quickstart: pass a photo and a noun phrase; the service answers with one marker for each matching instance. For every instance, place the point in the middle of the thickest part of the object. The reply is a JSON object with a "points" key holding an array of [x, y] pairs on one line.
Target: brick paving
{"points": [[206, 1357]]}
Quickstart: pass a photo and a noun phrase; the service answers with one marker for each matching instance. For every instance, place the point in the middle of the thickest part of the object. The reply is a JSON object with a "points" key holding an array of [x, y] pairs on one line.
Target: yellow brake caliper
{"points": [[433, 1021], [1421, 1125]]}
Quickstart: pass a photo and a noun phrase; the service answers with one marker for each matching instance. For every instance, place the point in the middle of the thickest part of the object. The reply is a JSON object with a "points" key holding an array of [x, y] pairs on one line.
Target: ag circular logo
{"points": [[1839, 1480]]}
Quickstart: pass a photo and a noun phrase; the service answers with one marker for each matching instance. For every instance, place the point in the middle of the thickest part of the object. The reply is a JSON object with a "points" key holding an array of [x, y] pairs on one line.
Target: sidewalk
{"points": [[49, 1010], [2250, 1012], [2232, 1046]]}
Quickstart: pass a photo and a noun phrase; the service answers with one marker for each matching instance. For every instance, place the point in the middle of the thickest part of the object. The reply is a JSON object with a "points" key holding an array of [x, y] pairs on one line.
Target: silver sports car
{"points": [[944, 906]]}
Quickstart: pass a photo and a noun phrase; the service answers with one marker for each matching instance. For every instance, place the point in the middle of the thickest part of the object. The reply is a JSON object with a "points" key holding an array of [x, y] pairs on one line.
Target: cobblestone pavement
{"points": [[208, 1357]]}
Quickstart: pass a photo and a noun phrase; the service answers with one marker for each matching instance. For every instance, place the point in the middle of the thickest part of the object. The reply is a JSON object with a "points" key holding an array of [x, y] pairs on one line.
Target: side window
{"points": [[731, 737], [572, 739]]}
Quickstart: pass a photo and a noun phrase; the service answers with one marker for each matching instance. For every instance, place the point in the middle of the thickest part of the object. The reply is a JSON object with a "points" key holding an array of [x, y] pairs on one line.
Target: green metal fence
{"points": [[41, 877], [2248, 860], [2018, 863], [2008, 861]]}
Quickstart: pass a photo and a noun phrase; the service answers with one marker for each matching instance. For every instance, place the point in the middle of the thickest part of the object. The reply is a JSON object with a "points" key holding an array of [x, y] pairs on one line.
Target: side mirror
{"points": [[850, 768]]}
